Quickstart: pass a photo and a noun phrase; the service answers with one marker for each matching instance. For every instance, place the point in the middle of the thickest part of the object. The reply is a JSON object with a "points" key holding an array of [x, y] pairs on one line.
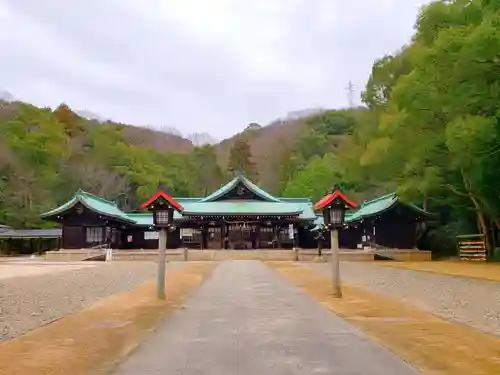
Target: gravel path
{"points": [[30, 301], [470, 301]]}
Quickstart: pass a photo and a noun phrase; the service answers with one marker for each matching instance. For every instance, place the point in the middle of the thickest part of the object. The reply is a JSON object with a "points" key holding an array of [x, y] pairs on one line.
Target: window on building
{"points": [[95, 235], [186, 232], [151, 235]]}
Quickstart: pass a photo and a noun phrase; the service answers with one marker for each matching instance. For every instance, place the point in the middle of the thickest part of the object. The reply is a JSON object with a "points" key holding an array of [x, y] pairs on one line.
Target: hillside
{"points": [[158, 140], [47, 154], [292, 142], [267, 144]]}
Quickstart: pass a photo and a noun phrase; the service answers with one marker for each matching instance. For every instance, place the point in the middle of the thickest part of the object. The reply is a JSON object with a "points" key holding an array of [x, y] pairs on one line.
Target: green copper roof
{"points": [[300, 207], [232, 185], [145, 218], [303, 209], [242, 208], [92, 202], [373, 207], [378, 205]]}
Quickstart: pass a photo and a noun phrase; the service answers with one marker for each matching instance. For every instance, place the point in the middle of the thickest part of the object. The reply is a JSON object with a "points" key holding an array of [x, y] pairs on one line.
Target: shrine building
{"points": [[239, 215]]}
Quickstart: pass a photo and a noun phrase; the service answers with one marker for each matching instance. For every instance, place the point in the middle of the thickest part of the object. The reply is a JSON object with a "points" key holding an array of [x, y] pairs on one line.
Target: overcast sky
{"points": [[197, 65]]}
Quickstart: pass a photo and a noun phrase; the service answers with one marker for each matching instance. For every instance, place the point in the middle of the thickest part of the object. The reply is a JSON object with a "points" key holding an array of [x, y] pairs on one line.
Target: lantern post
{"points": [[334, 207], [162, 206]]}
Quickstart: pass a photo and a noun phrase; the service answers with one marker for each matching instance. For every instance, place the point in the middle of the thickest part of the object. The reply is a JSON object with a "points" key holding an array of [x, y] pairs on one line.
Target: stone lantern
{"points": [[162, 206], [334, 206]]}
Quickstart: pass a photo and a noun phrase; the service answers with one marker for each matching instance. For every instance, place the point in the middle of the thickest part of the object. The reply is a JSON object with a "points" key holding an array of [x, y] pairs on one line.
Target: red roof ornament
{"points": [[329, 198], [162, 196]]}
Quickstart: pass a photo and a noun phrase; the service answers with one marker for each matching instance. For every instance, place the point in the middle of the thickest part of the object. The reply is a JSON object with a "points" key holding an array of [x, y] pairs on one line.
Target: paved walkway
{"points": [[248, 320]]}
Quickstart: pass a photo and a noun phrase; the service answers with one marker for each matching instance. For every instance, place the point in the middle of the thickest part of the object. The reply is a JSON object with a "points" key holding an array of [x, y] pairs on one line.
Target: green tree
{"points": [[207, 174], [439, 132], [240, 159], [42, 164], [315, 178]]}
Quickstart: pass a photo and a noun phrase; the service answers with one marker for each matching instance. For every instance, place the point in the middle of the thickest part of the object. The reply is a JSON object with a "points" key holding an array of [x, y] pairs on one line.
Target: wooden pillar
{"points": [[372, 236], [275, 236], [39, 246], [226, 236], [278, 227], [202, 241], [320, 244], [296, 236], [364, 238], [223, 234], [257, 235]]}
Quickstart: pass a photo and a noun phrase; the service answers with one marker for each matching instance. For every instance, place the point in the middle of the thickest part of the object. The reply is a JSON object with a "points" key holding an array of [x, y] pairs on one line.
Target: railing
{"points": [[101, 246]]}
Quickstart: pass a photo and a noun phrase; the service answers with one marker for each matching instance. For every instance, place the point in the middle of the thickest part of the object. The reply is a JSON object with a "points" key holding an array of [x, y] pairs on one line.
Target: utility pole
{"points": [[350, 94]]}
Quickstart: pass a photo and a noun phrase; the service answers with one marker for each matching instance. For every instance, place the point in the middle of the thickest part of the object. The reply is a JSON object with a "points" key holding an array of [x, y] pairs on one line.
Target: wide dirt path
{"points": [[246, 319]]}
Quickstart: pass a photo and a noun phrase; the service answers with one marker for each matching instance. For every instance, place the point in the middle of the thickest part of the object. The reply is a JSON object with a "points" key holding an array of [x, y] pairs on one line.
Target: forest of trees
{"points": [[429, 130], [45, 156]]}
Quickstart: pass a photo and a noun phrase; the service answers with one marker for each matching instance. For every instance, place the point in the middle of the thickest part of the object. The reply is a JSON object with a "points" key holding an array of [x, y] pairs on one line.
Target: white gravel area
{"points": [[11, 269], [27, 302], [470, 301]]}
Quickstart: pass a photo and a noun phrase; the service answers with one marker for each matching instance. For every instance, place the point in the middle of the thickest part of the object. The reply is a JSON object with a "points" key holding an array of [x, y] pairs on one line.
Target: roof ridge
{"points": [[96, 197], [365, 203], [294, 199], [256, 188], [239, 177]]}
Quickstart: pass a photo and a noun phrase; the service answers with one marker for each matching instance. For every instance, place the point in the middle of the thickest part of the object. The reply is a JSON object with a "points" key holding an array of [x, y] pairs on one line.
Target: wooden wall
{"points": [[396, 228], [74, 229], [136, 235]]}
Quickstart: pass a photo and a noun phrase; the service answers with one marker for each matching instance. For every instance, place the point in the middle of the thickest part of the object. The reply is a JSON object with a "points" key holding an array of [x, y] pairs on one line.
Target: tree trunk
{"points": [[483, 227]]}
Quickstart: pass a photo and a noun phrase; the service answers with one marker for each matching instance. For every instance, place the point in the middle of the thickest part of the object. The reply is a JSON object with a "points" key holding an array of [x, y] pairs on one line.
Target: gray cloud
{"points": [[208, 66]]}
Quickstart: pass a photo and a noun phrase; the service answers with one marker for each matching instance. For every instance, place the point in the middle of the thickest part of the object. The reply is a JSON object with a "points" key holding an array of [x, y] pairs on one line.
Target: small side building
{"points": [[28, 241], [385, 221]]}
